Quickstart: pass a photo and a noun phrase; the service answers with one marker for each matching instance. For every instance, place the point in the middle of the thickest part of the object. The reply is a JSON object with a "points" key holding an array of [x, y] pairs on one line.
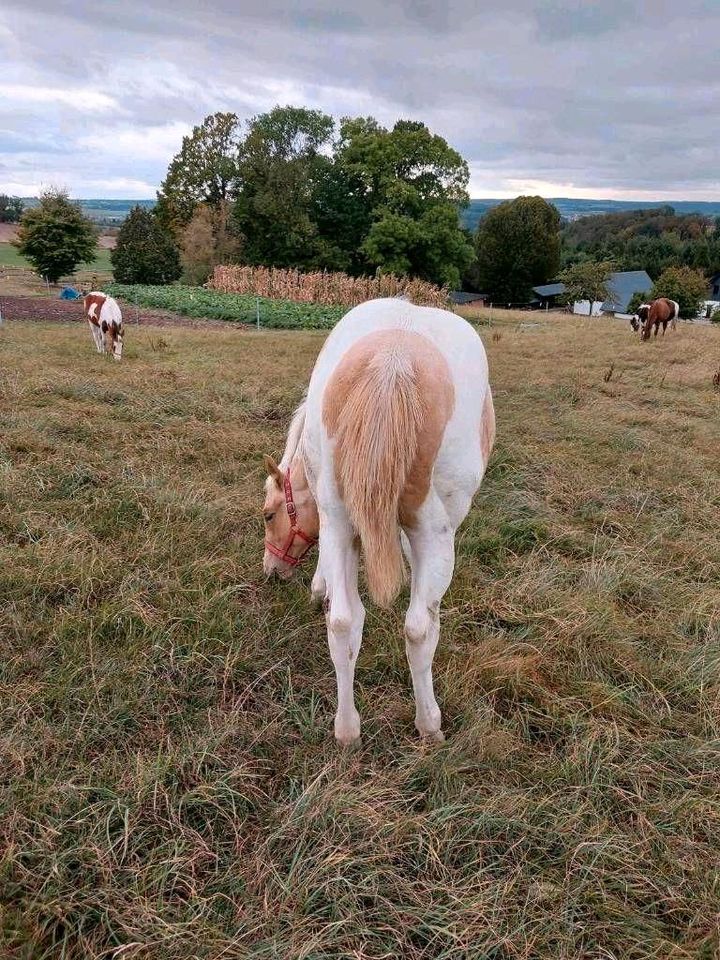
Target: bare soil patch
{"points": [[47, 310]]}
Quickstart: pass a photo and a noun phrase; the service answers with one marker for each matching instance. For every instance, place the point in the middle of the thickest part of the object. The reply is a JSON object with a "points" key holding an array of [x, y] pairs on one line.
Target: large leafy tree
{"points": [[55, 236], [281, 175], [11, 208], [412, 183], [686, 286], [205, 170], [145, 251], [518, 246]]}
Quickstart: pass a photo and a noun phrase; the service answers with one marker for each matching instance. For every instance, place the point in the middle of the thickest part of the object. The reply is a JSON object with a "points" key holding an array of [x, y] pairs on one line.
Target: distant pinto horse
{"points": [[384, 457], [659, 312], [105, 320]]}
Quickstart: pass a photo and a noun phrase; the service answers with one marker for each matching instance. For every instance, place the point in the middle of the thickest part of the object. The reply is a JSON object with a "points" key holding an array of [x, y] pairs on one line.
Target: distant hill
{"points": [[113, 212], [107, 213], [573, 209]]}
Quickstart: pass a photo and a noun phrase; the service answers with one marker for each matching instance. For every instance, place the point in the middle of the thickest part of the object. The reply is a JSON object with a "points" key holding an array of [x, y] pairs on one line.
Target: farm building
{"points": [[623, 284], [462, 299]]}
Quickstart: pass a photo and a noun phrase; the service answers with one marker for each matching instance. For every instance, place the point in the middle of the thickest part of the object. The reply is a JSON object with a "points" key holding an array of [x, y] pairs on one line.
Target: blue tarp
{"points": [[69, 293]]}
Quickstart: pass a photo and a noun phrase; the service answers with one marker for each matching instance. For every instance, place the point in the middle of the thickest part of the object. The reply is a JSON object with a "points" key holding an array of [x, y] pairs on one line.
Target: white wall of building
{"points": [[586, 309]]}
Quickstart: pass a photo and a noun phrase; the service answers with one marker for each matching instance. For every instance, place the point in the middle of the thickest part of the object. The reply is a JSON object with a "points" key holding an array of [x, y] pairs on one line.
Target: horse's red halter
{"points": [[295, 531]]}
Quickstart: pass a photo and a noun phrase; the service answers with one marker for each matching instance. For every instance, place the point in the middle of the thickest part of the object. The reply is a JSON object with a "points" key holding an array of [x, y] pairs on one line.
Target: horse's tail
{"points": [[376, 444]]}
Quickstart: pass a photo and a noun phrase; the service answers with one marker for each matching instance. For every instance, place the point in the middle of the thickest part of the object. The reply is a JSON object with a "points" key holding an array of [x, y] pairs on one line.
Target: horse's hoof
{"points": [[433, 736], [349, 745]]}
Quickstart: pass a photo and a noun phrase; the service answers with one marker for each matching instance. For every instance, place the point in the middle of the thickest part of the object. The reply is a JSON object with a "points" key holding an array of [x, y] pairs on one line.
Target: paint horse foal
{"points": [[105, 320], [394, 435]]}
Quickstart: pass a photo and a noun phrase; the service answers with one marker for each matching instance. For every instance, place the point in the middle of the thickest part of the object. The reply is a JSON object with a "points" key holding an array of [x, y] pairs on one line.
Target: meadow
{"points": [[170, 786], [10, 257]]}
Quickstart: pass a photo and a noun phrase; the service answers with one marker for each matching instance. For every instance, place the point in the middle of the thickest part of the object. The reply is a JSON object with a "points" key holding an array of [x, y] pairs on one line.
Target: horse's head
{"points": [[113, 335], [117, 342], [291, 519], [639, 320]]}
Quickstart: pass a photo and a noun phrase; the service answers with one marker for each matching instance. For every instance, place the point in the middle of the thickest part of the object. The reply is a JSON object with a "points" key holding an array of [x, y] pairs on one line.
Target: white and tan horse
{"points": [[105, 321], [391, 444]]}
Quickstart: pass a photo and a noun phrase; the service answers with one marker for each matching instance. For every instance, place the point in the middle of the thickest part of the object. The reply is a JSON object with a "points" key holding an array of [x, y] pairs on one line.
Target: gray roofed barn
{"points": [[622, 285]]}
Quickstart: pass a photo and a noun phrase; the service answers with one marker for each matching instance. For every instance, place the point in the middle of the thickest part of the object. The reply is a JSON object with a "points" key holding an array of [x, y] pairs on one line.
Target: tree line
{"points": [[293, 188]]}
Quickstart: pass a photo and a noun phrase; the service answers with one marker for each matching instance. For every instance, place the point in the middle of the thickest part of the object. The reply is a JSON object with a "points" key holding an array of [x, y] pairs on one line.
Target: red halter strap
{"points": [[295, 531]]}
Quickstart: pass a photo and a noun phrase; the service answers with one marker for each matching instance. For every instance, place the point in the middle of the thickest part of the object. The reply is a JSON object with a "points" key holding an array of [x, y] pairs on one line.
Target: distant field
{"points": [[9, 257], [170, 785]]}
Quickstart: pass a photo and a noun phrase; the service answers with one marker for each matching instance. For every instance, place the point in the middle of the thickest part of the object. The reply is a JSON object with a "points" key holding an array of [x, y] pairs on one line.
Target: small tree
{"points": [[11, 208], [55, 236], [686, 286], [145, 253], [197, 248], [587, 281], [206, 242]]}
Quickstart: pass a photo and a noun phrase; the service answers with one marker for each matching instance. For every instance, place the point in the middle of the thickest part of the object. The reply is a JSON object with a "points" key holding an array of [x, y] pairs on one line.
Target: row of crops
{"points": [[236, 308]]}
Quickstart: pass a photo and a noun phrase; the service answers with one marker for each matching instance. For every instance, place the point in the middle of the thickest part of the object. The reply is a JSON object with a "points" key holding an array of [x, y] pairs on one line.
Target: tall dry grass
{"points": [[323, 287]]}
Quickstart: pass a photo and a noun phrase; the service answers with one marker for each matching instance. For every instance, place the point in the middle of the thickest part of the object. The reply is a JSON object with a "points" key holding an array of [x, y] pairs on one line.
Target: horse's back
{"points": [[456, 340], [461, 450]]}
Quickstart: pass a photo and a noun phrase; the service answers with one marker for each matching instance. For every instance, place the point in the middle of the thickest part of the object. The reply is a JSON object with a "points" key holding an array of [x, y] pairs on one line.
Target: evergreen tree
{"points": [[55, 236], [145, 252]]}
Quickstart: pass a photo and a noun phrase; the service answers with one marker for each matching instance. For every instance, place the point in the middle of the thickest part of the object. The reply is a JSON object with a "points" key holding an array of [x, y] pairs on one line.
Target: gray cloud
{"points": [[607, 98]]}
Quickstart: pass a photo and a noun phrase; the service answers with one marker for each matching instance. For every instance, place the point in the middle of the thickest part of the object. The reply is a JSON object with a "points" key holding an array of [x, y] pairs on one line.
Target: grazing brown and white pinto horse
{"points": [[384, 456], [649, 315], [105, 320]]}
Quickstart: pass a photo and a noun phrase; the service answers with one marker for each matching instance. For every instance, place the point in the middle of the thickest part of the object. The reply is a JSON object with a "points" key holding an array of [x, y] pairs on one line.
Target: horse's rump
{"points": [[386, 405]]}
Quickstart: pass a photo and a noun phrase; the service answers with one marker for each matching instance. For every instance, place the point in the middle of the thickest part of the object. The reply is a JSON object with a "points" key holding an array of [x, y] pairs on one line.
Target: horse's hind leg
{"points": [[432, 545]]}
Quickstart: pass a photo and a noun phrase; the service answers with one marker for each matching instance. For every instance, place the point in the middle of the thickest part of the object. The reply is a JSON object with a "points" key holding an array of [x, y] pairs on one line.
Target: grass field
{"points": [[170, 787], [9, 257]]}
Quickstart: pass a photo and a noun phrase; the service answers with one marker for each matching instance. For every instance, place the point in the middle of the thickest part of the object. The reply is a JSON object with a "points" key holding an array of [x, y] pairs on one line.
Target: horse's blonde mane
{"points": [[294, 443]]}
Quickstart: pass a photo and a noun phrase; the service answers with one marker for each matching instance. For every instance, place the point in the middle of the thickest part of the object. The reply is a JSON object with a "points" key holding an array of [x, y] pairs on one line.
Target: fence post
{"points": [[257, 311]]}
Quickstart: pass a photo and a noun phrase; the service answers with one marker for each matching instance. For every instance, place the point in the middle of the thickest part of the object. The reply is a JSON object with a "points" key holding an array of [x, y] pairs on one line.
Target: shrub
{"points": [[686, 286]]}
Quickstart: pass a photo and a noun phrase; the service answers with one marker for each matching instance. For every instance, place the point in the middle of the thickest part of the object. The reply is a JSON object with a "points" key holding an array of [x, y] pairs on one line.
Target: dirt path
{"points": [[49, 310]]}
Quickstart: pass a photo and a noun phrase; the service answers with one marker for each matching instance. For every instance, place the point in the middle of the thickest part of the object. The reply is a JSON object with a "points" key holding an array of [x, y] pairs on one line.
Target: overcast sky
{"points": [[615, 98]]}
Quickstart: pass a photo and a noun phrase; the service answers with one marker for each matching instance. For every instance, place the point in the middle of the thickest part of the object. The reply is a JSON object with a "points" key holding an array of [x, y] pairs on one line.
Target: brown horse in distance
{"points": [[660, 312]]}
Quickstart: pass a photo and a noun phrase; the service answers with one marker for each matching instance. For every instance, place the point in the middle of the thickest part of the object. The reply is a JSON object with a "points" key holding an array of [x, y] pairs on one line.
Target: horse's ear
{"points": [[274, 471]]}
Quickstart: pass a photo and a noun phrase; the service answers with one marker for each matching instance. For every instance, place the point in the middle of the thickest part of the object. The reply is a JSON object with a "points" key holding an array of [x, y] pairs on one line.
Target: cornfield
{"points": [[321, 287]]}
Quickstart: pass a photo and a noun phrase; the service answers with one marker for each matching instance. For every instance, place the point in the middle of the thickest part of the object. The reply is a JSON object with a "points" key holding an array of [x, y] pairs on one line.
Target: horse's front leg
{"points": [[345, 617], [318, 586]]}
